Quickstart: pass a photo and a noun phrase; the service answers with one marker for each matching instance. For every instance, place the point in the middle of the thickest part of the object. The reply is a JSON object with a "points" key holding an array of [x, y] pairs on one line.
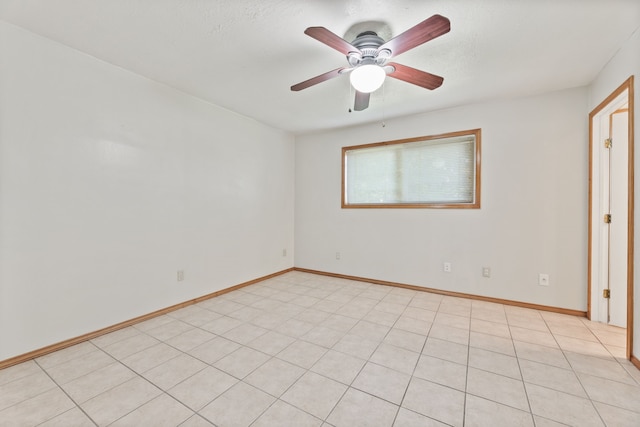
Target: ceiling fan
{"points": [[368, 56]]}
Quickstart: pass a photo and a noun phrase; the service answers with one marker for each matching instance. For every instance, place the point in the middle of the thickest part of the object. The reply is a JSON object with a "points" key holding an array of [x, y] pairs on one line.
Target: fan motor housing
{"points": [[368, 42]]}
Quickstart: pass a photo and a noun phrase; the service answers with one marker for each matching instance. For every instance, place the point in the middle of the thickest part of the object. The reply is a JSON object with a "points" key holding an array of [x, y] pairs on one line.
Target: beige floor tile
{"points": [[442, 372], [353, 311], [534, 337], [614, 416], [381, 317], [455, 321], [449, 333], [534, 323], [202, 388], [221, 325], [113, 337], [480, 412], [491, 328], [169, 330], [541, 354], [559, 379], [446, 350], [577, 331], [489, 315], [242, 362], [24, 388], [269, 321], [417, 326], [190, 339], [305, 301], [214, 350], [588, 348], [562, 407], [119, 401], [497, 363], [497, 388], [323, 336], [369, 330], [37, 409], [195, 315], [246, 314], [328, 305], [98, 382], [419, 314], [390, 307], [163, 411], [382, 382], [196, 421], [221, 305], [313, 316], [441, 403], [275, 376], [128, 346], [174, 371], [315, 394], [303, 354], [338, 366], [357, 346], [244, 333], [153, 323], [405, 339], [237, 407], [294, 328], [397, 358], [66, 355], [492, 343], [73, 417], [407, 418], [17, 372], [609, 369], [328, 334], [358, 409], [271, 343], [150, 357], [282, 414], [544, 422], [430, 304], [612, 392], [339, 323]]}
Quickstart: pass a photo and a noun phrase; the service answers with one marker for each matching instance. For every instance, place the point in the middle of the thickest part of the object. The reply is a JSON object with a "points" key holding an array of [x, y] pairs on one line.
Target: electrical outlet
{"points": [[543, 279], [486, 271], [446, 267], [337, 255], [180, 275], [284, 252]]}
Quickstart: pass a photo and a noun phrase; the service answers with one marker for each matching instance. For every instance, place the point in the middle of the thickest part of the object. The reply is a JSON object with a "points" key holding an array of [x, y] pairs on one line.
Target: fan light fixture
{"points": [[367, 78]]}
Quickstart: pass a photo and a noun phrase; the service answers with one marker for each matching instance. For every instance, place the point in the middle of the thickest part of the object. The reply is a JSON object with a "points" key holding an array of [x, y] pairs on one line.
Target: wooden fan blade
{"points": [[362, 101], [416, 77], [330, 39], [427, 30], [317, 79]]}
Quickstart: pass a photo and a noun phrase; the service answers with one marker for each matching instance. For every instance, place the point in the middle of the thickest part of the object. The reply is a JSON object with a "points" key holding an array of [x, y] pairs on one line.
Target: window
{"points": [[439, 171]]}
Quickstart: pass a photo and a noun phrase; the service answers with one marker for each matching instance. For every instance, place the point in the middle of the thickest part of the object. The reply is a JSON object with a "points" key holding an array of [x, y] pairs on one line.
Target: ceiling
{"points": [[244, 55]]}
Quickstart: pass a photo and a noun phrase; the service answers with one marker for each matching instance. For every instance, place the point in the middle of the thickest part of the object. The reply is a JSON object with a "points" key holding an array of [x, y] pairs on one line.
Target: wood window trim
{"points": [[474, 205]]}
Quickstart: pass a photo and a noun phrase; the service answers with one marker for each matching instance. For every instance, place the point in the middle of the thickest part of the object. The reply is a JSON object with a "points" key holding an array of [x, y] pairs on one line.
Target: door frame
{"points": [[626, 86]]}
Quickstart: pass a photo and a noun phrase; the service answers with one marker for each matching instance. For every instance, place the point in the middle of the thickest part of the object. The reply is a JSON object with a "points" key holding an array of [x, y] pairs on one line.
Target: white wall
{"points": [[533, 217], [110, 183], [625, 63]]}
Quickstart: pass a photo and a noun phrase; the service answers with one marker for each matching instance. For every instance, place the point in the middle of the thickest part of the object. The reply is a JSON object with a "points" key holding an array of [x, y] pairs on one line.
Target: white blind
{"points": [[432, 171]]}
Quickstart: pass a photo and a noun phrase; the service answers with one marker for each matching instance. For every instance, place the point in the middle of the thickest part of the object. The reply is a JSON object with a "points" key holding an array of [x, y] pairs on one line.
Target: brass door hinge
{"points": [[606, 293], [608, 143], [607, 218]]}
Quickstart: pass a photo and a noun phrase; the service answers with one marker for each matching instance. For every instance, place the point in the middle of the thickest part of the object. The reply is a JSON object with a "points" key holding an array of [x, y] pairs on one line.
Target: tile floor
{"points": [[306, 350]]}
